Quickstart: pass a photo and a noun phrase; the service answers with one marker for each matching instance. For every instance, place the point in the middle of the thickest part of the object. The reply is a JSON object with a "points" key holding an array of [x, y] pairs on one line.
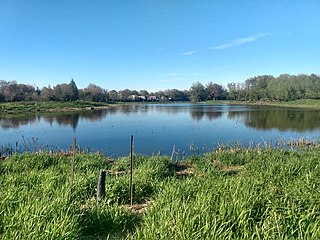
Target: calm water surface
{"points": [[159, 127]]}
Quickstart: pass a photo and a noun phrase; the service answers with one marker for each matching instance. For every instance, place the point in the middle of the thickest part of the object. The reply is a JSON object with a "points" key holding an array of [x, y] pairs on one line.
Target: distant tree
{"points": [[134, 92], [215, 91], [3, 84], [93, 93], [25, 92], [197, 92], [143, 93], [63, 92], [47, 94], [176, 95], [257, 87], [159, 94], [113, 95], [74, 90], [124, 94]]}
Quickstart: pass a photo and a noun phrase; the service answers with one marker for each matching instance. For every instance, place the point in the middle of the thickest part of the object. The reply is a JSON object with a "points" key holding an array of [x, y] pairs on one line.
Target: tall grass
{"points": [[274, 195], [231, 193]]}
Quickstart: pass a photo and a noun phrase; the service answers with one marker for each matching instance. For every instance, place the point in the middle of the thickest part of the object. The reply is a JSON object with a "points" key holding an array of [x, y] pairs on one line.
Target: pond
{"points": [[160, 128]]}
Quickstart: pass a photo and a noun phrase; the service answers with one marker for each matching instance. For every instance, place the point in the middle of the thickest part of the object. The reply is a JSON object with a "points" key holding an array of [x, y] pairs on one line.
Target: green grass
{"points": [[301, 103], [233, 193], [27, 107], [18, 108]]}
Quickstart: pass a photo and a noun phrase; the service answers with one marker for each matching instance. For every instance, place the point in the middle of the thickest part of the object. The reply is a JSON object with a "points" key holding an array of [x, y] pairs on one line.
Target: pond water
{"points": [[157, 128]]}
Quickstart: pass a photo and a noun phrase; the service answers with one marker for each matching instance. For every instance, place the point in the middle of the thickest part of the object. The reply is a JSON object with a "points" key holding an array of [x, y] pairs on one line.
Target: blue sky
{"points": [[156, 44]]}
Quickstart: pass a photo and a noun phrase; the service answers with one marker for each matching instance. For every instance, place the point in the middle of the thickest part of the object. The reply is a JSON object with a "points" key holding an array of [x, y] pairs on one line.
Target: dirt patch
{"points": [[233, 169], [183, 169], [138, 208]]}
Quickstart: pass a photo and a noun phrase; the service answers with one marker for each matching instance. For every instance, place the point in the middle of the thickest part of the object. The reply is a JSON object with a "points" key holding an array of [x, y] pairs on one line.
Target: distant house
{"points": [[164, 98], [152, 98], [142, 97], [133, 97]]}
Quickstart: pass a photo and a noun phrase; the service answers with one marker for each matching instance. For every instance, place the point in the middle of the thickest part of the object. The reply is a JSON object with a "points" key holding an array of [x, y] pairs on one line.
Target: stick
{"points": [[131, 168]]}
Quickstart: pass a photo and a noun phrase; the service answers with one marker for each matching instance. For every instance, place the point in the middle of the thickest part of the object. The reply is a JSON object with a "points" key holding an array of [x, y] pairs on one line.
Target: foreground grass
{"points": [[27, 107], [228, 194]]}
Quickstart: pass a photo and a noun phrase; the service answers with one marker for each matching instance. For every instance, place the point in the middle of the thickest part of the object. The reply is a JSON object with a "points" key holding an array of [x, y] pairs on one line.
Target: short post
{"points": [[72, 163], [173, 152], [101, 189], [131, 168]]}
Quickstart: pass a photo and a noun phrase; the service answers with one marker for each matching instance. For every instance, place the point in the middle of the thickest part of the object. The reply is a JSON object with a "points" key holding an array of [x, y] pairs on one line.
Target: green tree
{"points": [[113, 95], [198, 92], [215, 91], [93, 93], [74, 90]]}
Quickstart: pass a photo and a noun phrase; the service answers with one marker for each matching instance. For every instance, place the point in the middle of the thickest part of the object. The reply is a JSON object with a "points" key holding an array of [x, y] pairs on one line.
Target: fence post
{"points": [[131, 168], [173, 152], [101, 189], [72, 163]]}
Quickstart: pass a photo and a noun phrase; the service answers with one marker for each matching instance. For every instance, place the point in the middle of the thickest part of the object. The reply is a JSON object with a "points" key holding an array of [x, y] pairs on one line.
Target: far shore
{"points": [[14, 108]]}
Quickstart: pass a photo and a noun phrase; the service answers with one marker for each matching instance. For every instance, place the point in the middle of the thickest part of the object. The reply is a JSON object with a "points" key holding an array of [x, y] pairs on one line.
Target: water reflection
{"points": [[66, 119], [16, 122], [257, 117], [282, 119]]}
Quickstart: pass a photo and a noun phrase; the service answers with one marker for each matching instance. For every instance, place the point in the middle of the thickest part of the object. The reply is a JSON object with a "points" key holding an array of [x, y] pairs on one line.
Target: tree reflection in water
{"points": [[257, 117], [282, 119]]}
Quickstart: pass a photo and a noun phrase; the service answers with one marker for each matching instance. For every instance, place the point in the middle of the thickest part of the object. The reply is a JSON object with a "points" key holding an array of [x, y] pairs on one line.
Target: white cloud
{"points": [[239, 41], [174, 74], [188, 53]]}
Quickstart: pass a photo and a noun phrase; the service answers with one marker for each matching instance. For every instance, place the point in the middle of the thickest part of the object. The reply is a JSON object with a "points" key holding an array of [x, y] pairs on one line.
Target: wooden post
{"points": [[101, 189], [173, 152], [72, 163], [131, 168]]}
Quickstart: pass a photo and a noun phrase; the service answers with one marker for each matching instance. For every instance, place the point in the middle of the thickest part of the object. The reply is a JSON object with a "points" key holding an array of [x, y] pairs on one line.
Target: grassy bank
{"points": [[227, 194], [302, 103], [27, 107], [32, 107]]}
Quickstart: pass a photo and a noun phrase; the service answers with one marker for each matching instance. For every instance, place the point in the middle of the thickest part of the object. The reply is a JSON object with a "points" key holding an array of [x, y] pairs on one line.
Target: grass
{"points": [[27, 107], [233, 193], [14, 108], [301, 103]]}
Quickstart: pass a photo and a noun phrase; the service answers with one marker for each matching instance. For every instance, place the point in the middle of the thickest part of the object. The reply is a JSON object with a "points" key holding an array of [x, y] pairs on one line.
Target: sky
{"points": [[156, 44]]}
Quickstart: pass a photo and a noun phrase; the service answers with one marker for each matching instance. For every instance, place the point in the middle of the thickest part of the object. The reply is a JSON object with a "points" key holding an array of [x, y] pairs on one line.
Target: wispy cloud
{"points": [[239, 41], [188, 53], [177, 74], [174, 74]]}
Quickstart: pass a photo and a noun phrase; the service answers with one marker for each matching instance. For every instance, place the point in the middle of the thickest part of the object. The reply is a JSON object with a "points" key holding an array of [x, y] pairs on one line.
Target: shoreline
{"points": [[17, 108]]}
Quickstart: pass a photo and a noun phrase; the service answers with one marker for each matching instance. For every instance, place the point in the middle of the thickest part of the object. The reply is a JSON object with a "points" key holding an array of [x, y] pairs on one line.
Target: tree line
{"points": [[11, 91], [265, 87], [285, 87]]}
